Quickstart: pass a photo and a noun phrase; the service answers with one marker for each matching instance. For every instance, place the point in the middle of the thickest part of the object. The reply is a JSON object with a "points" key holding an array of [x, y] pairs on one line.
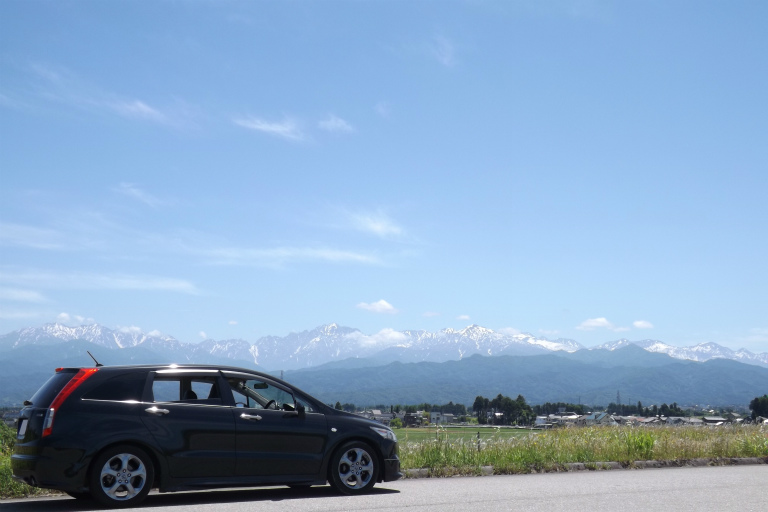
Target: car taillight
{"points": [[78, 379]]}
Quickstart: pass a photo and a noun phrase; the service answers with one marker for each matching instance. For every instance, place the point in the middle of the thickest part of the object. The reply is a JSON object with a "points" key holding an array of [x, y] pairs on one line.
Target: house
{"points": [[715, 420], [563, 419], [439, 418], [413, 419], [627, 420], [597, 418], [382, 417]]}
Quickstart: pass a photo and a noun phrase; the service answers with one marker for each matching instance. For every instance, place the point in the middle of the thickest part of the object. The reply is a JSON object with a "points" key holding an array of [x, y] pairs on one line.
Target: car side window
{"points": [[259, 394], [121, 388], [186, 389]]}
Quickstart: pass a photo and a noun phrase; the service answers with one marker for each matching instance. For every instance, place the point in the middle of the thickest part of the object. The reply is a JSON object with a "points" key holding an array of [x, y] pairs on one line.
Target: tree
{"points": [[338, 406], [396, 423], [480, 408], [759, 407]]}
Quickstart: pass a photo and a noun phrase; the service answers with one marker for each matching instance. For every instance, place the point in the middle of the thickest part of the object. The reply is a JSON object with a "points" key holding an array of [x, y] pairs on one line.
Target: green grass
{"points": [[466, 434], [528, 451], [10, 488]]}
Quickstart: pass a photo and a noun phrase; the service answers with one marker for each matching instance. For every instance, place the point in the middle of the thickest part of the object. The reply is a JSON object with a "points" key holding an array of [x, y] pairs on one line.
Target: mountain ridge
{"points": [[341, 363], [332, 342]]}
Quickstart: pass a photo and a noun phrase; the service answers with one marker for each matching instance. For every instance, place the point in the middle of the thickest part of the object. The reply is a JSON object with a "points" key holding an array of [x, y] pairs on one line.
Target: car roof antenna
{"points": [[94, 359]]}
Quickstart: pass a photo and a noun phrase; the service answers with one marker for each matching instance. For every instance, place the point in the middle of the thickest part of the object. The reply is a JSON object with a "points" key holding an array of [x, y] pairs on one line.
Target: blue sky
{"points": [[577, 169]]}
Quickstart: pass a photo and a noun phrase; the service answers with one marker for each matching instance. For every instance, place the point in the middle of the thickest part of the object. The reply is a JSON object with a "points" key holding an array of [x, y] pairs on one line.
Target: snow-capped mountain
{"points": [[96, 334], [332, 342], [701, 352], [451, 345], [301, 350]]}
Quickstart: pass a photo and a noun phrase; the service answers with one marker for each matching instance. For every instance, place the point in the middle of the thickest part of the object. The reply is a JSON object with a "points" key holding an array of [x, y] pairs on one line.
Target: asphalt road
{"points": [[737, 488]]}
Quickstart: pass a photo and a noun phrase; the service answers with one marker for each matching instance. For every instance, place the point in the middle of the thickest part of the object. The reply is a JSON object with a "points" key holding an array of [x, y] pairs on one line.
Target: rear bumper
{"points": [[63, 472]]}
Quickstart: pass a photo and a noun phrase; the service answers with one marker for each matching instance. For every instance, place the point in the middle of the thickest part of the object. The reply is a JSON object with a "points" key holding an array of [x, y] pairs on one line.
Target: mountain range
{"points": [[27, 357], [332, 342]]}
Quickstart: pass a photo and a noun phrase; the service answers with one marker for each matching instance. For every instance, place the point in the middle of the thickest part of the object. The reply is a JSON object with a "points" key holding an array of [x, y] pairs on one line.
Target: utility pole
{"points": [[618, 398]]}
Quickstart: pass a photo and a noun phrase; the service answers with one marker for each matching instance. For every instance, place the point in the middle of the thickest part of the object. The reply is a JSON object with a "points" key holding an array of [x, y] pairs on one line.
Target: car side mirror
{"points": [[301, 410]]}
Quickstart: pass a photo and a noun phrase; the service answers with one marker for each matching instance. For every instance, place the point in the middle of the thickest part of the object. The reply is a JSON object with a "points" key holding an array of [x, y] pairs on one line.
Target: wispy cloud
{"points": [[90, 281], [286, 129], [642, 324], [377, 223], [510, 331], [430, 314], [30, 236], [59, 84], [281, 255], [7, 314], [380, 306], [335, 124], [17, 295], [383, 109], [139, 110], [442, 49], [463, 318], [134, 192]]}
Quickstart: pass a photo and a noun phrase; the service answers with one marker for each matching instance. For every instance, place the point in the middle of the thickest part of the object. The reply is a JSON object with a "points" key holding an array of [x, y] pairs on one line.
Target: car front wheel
{"points": [[354, 468], [121, 476]]}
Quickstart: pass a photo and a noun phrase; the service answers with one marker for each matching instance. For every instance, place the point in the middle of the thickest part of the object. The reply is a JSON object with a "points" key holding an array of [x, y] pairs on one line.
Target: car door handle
{"points": [[156, 411], [250, 417]]}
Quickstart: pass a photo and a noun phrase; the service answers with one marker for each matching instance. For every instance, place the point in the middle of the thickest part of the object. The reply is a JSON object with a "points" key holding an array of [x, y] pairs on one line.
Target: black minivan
{"points": [[111, 433]]}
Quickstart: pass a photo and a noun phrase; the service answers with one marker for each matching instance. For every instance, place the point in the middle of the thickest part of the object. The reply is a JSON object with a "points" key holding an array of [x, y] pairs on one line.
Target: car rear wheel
{"points": [[354, 468], [121, 476]]}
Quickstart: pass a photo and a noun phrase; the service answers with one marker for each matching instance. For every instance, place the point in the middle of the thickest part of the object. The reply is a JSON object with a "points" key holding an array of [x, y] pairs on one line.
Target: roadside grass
{"points": [[551, 450], [10, 488]]}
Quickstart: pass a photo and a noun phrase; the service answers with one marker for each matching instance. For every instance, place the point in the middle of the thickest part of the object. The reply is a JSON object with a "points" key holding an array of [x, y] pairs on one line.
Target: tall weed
{"points": [[551, 450]]}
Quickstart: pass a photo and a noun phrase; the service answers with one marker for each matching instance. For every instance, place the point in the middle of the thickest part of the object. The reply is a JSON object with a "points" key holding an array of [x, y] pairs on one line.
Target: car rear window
{"points": [[122, 387], [45, 395]]}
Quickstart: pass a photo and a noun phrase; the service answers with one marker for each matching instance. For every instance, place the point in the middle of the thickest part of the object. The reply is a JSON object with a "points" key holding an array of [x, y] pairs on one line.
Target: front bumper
{"points": [[391, 470]]}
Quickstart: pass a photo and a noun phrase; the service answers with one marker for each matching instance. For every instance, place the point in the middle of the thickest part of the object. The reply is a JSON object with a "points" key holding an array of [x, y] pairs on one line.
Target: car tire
{"points": [[121, 476], [354, 468]]}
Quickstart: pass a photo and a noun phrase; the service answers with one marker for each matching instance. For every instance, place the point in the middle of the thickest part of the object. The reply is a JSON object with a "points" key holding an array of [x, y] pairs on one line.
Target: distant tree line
{"points": [[550, 408], [518, 412], [639, 410], [503, 410], [449, 408]]}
